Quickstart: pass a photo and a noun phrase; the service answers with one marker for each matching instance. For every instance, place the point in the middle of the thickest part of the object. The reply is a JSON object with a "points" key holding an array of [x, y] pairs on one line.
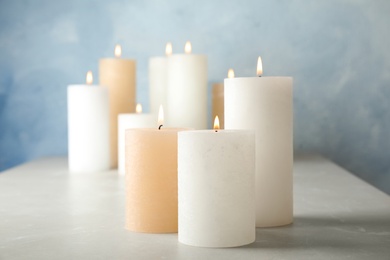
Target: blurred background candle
{"points": [[88, 127], [218, 100], [216, 182], [127, 121], [187, 90], [118, 75], [265, 105], [158, 80], [151, 179]]}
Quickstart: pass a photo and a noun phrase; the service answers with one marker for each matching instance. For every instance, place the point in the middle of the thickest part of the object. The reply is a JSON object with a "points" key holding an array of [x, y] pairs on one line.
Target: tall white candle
{"points": [[128, 121], [158, 73], [216, 174], [187, 90], [265, 105], [88, 127]]}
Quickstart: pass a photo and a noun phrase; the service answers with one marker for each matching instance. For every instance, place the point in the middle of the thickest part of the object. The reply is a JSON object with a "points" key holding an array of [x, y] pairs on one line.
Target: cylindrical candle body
{"points": [[151, 180], [88, 128], [158, 83], [218, 104], [265, 105], [119, 76], [187, 91], [216, 175], [127, 121]]}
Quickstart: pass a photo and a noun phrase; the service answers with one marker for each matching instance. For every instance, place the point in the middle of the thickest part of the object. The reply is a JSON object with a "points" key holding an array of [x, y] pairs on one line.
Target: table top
{"points": [[48, 213]]}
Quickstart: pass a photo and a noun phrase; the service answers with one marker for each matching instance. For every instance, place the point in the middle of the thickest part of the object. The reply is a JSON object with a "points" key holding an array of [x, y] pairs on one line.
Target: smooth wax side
{"points": [[218, 104], [151, 180], [118, 75], [264, 104], [187, 91], [158, 83], [88, 128], [216, 176]]}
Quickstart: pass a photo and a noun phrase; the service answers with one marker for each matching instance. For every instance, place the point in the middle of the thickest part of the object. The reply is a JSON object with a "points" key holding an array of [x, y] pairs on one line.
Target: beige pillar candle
{"points": [[151, 180], [119, 76], [218, 100]]}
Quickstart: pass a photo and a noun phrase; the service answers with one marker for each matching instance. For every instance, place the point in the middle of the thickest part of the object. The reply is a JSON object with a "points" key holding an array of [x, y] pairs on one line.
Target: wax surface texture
{"points": [[88, 128], [151, 180], [216, 174], [120, 78], [264, 104], [127, 121]]}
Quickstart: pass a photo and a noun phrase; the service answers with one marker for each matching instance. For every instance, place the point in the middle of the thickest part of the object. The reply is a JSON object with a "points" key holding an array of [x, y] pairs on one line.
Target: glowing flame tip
{"points": [[188, 47], [138, 108], [168, 49], [118, 51], [89, 78], [231, 73], [259, 67], [216, 123]]}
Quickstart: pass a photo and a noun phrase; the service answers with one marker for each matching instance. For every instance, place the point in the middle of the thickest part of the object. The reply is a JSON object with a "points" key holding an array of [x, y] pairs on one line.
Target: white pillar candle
{"points": [[216, 174], [158, 69], [265, 105], [187, 90], [128, 121], [88, 127]]}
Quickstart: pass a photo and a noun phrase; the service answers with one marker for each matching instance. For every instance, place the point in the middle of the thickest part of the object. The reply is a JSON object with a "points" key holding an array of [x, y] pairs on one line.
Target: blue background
{"points": [[337, 52]]}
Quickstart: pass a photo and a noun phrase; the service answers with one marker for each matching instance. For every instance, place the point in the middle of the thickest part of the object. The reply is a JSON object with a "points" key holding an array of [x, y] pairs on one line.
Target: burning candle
{"points": [[88, 128], [158, 80], [216, 175], [267, 101], [127, 121], [151, 179], [187, 89], [118, 75]]}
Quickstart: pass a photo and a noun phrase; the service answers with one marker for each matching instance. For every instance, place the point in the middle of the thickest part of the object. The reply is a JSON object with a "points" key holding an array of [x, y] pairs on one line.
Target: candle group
{"points": [[213, 187]]}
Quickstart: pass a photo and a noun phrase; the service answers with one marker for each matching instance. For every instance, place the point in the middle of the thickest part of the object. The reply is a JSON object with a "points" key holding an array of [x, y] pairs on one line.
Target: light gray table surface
{"points": [[48, 213]]}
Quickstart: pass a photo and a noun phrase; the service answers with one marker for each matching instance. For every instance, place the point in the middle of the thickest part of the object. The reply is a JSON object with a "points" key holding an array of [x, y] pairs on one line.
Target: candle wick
{"points": [[159, 128], [259, 76], [216, 131]]}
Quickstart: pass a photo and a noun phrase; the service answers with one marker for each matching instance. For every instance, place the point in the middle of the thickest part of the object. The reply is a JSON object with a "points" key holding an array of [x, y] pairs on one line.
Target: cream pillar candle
{"points": [[151, 180], [158, 80], [118, 75], [216, 175], [265, 105], [218, 100], [88, 128], [187, 90], [127, 121]]}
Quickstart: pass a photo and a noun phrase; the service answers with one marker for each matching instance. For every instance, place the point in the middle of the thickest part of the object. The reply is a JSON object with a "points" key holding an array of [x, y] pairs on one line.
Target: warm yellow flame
{"points": [[188, 47], [161, 116], [118, 51], [138, 108], [216, 123], [89, 78], [168, 49], [259, 67], [231, 73]]}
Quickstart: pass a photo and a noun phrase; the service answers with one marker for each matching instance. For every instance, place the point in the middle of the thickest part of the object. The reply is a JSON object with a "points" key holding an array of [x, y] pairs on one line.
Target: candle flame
{"points": [[89, 78], [118, 51], [231, 73], [259, 67], [161, 116], [168, 49], [216, 123], [138, 108], [188, 47]]}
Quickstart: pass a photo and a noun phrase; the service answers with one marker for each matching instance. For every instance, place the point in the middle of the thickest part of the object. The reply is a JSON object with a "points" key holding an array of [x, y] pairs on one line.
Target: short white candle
{"points": [[158, 73], [128, 121], [216, 174], [187, 90], [265, 105], [88, 127]]}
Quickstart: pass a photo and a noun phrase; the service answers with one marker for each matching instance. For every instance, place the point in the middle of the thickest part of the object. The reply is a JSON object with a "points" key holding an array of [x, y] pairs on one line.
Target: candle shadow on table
{"points": [[326, 232]]}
